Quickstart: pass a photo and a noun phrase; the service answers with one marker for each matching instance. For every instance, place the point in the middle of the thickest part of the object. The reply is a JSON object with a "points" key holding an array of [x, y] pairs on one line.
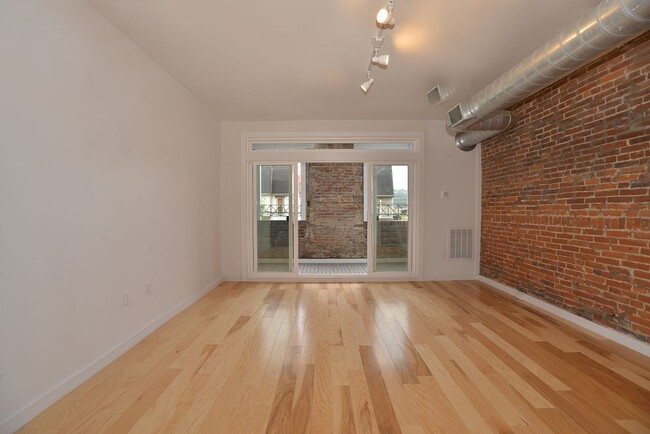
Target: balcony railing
{"points": [[392, 210], [279, 211], [275, 211]]}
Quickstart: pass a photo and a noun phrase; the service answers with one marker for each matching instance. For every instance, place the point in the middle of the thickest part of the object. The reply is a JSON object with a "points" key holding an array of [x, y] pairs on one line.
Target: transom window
{"points": [[332, 146]]}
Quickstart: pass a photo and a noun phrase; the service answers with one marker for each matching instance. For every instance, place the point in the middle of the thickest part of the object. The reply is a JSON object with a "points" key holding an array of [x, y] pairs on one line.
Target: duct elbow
{"points": [[487, 128], [462, 145]]}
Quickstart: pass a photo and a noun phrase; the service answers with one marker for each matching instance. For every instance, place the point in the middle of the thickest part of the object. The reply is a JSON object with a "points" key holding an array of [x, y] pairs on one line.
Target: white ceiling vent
{"points": [[461, 244]]}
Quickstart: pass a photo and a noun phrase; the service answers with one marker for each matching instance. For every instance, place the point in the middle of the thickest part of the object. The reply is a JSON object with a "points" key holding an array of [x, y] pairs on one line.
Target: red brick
{"points": [[565, 196]]}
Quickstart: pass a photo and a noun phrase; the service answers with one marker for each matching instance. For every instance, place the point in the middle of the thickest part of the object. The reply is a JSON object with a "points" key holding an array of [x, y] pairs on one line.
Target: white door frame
{"points": [[251, 219], [372, 220], [414, 158]]}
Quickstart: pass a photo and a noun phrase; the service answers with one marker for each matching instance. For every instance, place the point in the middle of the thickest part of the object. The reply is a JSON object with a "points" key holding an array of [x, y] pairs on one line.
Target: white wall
{"points": [[458, 173], [109, 177], [445, 168]]}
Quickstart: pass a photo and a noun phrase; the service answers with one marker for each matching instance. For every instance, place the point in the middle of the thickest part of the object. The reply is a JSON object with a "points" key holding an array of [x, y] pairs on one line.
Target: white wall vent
{"points": [[461, 244]]}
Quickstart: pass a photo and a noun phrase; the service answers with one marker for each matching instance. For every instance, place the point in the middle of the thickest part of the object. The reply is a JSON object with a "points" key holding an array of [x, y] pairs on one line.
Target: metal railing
{"points": [[386, 210], [392, 210], [271, 211]]}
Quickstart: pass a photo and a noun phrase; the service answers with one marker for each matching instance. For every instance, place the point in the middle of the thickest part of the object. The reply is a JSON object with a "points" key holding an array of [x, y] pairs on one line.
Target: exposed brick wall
{"points": [[334, 226], [566, 194]]}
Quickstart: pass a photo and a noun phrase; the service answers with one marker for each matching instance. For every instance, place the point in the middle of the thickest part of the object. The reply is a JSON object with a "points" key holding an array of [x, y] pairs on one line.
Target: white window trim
{"points": [[302, 200], [414, 157]]}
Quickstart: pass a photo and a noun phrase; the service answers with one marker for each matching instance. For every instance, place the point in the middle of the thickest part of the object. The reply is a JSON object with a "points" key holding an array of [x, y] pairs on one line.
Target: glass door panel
{"points": [[274, 246], [390, 237]]}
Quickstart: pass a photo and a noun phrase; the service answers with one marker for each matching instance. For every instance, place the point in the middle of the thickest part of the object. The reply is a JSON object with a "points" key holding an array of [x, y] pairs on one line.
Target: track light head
{"points": [[381, 60], [385, 17], [365, 87]]}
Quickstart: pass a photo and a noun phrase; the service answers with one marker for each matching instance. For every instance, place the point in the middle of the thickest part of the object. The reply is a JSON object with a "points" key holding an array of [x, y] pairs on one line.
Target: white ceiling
{"points": [[305, 59]]}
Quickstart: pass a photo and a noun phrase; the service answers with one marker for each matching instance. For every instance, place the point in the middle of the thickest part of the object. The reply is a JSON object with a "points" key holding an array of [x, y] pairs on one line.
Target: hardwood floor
{"points": [[431, 357]]}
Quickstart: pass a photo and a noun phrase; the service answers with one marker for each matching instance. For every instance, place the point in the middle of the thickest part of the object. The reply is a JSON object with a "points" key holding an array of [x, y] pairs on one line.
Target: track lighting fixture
{"points": [[384, 19], [365, 86], [381, 60]]}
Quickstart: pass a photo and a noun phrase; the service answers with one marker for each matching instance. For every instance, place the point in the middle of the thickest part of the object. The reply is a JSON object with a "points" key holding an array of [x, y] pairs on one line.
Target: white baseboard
{"points": [[449, 277], [50, 396], [616, 336]]}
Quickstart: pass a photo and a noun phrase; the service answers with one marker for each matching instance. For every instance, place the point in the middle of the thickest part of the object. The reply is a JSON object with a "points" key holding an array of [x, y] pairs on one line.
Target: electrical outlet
{"points": [[147, 288], [125, 298]]}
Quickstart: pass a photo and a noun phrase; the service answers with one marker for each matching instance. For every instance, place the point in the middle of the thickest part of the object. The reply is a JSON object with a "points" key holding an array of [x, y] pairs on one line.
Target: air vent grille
{"points": [[455, 115], [461, 244], [433, 96]]}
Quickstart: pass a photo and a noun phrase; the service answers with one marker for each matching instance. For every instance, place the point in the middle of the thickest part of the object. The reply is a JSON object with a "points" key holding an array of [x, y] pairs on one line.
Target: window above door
{"points": [[260, 146]]}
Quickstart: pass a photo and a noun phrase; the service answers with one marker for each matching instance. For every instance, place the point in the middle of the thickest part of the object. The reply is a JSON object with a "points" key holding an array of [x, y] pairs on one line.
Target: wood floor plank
{"points": [[633, 426], [364, 413], [303, 398], [412, 357], [489, 392], [261, 400], [384, 411], [435, 413], [322, 412], [339, 366], [532, 366], [457, 397], [343, 414], [280, 419], [516, 382], [130, 417]]}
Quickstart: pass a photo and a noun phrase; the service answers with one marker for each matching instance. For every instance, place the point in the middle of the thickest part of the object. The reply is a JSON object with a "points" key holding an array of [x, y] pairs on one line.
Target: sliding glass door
{"points": [[390, 231], [276, 236], [274, 218]]}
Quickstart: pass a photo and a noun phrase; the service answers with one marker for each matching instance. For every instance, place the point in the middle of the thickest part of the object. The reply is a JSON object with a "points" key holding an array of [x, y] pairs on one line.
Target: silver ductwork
{"points": [[599, 30], [491, 126]]}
